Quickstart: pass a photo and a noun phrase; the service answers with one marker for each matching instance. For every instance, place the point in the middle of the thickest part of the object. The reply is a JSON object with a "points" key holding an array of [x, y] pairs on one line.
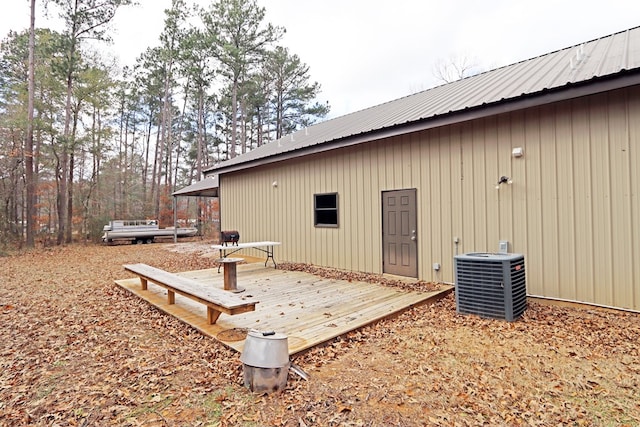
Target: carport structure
{"points": [[207, 187]]}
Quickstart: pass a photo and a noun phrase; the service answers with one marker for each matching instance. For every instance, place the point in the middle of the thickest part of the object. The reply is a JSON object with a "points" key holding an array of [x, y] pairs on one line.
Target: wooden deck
{"points": [[309, 309]]}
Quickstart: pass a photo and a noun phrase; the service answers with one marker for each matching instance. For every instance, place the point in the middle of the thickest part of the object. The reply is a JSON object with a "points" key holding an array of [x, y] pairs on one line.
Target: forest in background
{"points": [[84, 141]]}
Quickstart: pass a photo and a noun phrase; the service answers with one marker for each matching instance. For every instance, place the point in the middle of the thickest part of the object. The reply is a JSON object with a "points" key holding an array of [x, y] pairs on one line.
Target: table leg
{"points": [[269, 252], [222, 255]]}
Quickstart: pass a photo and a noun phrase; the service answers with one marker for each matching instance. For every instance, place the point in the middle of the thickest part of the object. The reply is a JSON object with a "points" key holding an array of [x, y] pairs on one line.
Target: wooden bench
{"points": [[217, 300]]}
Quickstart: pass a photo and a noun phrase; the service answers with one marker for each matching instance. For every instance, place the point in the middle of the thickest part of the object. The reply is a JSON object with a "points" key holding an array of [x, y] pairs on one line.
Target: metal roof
{"points": [[557, 73], [207, 187]]}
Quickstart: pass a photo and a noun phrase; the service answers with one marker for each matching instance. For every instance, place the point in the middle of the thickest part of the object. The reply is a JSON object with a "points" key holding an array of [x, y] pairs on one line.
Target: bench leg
{"points": [[143, 282], [212, 315], [171, 296]]}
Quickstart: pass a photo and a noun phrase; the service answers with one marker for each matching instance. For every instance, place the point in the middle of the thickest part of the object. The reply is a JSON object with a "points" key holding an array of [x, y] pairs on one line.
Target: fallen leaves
{"points": [[352, 276], [80, 351]]}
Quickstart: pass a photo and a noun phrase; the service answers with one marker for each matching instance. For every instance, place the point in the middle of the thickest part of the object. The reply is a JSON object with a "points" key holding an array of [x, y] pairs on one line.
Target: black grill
{"points": [[232, 236]]}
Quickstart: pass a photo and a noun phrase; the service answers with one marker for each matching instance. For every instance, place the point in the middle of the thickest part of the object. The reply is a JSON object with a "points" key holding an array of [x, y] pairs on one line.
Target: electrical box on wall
{"points": [[503, 247]]}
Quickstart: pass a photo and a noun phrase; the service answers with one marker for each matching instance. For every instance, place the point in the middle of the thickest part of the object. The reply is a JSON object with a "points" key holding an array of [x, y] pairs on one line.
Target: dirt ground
{"points": [[77, 350]]}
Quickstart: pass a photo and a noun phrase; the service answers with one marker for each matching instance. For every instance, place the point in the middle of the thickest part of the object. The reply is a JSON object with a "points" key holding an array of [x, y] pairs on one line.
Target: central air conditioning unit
{"points": [[490, 285]]}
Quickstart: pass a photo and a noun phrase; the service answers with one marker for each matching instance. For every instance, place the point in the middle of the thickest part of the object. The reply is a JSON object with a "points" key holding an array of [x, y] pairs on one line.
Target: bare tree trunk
{"points": [[157, 174], [96, 152], [28, 149], [62, 197], [234, 118], [118, 185], [145, 168], [36, 174], [132, 169], [200, 132], [243, 122], [124, 169], [71, 156], [98, 156], [165, 138], [199, 154], [174, 178], [259, 126], [64, 160], [68, 236], [61, 192]]}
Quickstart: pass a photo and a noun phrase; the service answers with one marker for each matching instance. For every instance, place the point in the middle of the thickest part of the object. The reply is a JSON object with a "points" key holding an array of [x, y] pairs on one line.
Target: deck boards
{"points": [[309, 309]]}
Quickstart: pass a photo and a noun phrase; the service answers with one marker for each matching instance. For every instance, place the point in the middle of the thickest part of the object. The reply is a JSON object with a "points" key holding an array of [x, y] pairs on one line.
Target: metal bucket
{"points": [[266, 361]]}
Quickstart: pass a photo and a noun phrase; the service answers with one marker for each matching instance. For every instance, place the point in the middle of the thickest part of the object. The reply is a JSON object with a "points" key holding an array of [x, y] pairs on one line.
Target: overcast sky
{"points": [[367, 52]]}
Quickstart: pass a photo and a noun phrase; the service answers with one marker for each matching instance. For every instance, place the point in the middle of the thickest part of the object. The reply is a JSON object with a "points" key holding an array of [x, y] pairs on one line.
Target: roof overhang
{"points": [[208, 187], [571, 91]]}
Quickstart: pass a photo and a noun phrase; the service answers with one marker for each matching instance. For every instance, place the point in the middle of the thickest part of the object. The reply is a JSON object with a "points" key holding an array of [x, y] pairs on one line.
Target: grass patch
{"points": [[153, 408], [229, 403]]}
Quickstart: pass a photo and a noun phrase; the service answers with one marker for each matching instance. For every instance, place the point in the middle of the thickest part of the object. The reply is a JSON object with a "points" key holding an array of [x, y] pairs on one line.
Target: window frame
{"points": [[325, 210]]}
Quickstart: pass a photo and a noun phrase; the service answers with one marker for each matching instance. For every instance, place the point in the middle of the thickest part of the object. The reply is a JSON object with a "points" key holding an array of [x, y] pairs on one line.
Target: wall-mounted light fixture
{"points": [[503, 180], [274, 184]]}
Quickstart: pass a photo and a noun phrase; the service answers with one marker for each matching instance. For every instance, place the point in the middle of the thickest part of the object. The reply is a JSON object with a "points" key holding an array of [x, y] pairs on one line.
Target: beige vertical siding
{"points": [[572, 208]]}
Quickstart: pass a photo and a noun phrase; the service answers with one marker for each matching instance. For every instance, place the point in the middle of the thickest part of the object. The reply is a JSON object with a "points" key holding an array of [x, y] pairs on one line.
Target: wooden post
{"points": [[143, 282], [171, 296], [230, 276]]}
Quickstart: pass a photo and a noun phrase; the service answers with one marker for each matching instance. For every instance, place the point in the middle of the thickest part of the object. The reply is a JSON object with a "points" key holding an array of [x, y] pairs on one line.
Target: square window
{"points": [[325, 210]]}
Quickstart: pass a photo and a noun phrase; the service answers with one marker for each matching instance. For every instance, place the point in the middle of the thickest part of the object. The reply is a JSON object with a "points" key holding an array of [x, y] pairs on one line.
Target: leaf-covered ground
{"points": [[77, 350]]}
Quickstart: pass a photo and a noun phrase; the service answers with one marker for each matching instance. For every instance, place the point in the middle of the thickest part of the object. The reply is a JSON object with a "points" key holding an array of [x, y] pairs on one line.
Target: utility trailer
{"points": [[142, 231]]}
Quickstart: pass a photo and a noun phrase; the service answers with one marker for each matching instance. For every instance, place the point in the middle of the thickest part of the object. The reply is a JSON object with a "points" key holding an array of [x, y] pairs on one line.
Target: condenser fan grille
{"points": [[491, 285]]}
